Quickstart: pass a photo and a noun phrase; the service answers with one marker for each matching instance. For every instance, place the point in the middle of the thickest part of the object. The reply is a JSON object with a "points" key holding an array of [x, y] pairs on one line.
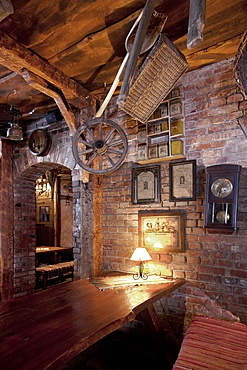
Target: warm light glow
{"points": [[140, 254], [158, 245]]}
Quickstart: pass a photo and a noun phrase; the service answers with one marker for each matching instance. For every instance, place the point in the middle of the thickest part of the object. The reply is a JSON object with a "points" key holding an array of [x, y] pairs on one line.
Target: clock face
{"points": [[39, 142], [221, 188]]}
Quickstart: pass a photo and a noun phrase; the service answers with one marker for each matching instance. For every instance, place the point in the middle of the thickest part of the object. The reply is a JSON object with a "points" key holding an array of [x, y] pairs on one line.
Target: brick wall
{"points": [[213, 265]]}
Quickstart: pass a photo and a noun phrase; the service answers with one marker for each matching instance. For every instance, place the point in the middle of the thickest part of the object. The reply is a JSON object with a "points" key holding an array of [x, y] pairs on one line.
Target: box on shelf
{"points": [[142, 152], [176, 127], [176, 107], [142, 136], [162, 150], [153, 151], [158, 139], [177, 147]]}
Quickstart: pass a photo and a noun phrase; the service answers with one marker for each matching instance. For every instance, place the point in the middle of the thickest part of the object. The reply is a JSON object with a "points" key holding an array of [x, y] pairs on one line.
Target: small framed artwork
{"points": [[146, 184], [182, 178], [163, 230]]}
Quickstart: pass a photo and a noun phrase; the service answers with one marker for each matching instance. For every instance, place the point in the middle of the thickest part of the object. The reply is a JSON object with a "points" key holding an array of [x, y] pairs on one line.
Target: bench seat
{"points": [[58, 270], [211, 343]]}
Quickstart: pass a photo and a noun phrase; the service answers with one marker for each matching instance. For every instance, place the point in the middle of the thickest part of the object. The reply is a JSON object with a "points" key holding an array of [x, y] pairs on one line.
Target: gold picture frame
{"points": [[162, 230]]}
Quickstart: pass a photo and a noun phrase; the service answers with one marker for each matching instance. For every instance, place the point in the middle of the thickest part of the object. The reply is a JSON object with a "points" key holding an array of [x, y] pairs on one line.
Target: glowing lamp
{"points": [[140, 255]]}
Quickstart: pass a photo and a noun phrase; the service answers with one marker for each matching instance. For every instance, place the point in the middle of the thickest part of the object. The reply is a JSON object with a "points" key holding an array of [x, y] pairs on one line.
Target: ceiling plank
{"points": [[43, 86], [16, 57]]}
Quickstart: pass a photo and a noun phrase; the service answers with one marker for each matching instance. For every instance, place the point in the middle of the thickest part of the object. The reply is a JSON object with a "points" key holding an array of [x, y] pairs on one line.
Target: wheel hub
{"points": [[100, 147]]}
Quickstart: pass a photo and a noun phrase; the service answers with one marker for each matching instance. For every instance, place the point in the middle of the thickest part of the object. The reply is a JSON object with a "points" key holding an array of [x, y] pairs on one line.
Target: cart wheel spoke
{"points": [[100, 146]]}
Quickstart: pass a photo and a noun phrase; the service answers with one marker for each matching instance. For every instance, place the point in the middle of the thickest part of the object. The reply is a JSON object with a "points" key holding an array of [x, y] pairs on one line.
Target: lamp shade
{"points": [[140, 254]]}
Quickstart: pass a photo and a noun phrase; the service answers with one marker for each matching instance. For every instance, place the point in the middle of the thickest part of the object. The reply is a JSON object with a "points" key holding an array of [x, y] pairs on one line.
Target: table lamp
{"points": [[141, 255]]}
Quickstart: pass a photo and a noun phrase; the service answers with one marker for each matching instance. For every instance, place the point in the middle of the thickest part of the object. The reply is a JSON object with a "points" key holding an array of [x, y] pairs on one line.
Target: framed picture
{"points": [[182, 181], [146, 184], [159, 229]]}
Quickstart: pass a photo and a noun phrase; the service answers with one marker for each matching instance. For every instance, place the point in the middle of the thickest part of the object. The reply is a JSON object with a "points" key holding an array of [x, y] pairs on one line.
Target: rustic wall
{"points": [[213, 265], [6, 221], [18, 225]]}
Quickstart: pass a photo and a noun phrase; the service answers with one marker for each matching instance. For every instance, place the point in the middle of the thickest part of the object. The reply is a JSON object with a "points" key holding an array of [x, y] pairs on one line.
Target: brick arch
{"points": [[25, 163], [25, 227]]}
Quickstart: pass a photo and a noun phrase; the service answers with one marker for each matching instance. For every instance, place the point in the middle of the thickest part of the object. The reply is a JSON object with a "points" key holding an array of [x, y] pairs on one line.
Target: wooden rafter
{"points": [[15, 56], [45, 87]]}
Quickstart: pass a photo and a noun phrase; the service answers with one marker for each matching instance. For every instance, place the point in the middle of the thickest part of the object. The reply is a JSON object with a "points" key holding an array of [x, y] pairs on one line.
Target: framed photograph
{"points": [[159, 229], [146, 184], [182, 181]]}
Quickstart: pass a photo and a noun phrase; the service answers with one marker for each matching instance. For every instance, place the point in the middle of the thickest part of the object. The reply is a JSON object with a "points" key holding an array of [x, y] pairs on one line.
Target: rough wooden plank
{"points": [[43, 86], [196, 23], [16, 57], [46, 329]]}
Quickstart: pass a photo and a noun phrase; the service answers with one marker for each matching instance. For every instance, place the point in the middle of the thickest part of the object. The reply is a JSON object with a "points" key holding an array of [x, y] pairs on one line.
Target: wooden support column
{"points": [[45, 87], [196, 23]]}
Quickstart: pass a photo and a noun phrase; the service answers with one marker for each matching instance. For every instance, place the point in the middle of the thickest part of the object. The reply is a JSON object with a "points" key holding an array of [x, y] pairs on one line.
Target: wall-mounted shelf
{"points": [[161, 138]]}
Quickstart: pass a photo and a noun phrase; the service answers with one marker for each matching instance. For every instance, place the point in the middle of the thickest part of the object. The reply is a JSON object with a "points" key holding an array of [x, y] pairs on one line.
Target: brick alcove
{"points": [[18, 239]]}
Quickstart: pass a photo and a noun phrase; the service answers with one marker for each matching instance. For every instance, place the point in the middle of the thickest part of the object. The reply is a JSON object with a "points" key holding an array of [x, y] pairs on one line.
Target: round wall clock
{"points": [[39, 142]]}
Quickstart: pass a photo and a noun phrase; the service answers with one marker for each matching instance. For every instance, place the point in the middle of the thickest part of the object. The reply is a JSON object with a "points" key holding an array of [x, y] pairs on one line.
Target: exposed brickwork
{"points": [[6, 221], [18, 229], [214, 265]]}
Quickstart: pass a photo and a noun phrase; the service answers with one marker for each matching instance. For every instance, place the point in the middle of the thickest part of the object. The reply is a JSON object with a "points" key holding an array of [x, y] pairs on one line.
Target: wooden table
{"points": [[47, 329]]}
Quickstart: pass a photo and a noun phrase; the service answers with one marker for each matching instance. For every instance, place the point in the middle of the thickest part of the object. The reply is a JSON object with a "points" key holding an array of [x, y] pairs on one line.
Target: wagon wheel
{"points": [[100, 146]]}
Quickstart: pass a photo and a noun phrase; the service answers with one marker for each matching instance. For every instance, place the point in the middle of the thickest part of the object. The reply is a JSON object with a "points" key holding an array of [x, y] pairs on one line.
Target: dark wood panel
{"points": [[47, 329]]}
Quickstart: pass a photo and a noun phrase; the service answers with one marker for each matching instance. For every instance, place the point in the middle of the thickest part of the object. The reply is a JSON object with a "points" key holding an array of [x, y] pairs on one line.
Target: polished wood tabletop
{"points": [[47, 329]]}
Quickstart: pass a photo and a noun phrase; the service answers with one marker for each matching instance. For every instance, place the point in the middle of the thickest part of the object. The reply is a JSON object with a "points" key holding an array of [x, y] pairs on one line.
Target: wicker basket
{"points": [[154, 79], [240, 65]]}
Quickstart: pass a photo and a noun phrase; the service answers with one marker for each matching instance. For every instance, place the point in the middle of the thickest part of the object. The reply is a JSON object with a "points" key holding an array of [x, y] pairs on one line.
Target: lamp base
{"points": [[141, 274]]}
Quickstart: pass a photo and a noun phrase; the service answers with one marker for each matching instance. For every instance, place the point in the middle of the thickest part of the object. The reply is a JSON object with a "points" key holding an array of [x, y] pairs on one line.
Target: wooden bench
{"points": [[211, 343], [58, 270]]}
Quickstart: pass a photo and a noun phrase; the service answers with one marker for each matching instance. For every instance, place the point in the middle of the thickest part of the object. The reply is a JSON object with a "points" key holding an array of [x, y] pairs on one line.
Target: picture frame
{"points": [[182, 181], [162, 230], [145, 185]]}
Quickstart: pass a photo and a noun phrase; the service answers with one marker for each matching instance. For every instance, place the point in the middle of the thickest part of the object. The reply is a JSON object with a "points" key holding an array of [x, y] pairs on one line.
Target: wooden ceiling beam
{"points": [[46, 88], [15, 56]]}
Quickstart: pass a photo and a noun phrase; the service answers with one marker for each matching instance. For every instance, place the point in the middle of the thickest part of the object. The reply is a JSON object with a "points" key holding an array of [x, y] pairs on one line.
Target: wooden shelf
{"points": [[161, 138]]}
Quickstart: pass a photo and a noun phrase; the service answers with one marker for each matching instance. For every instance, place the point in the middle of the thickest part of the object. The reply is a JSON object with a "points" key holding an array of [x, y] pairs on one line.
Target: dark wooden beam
{"points": [[43, 86], [15, 56]]}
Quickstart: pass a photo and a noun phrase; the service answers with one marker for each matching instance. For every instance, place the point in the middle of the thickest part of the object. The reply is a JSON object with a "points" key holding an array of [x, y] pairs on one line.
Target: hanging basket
{"points": [[154, 79], [240, 65]]}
